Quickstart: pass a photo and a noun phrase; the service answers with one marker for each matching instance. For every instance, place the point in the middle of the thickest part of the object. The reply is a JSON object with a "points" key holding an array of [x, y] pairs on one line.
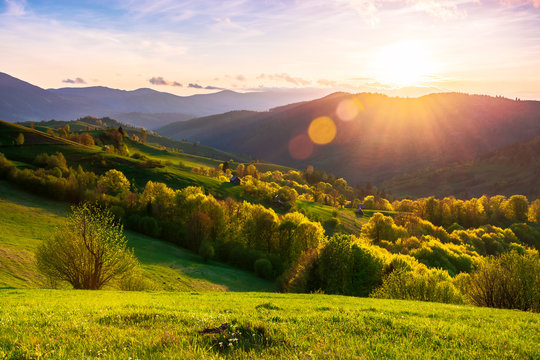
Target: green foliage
{"points": [[450, 257], [510, 281], [263, 268], [420, 284], [206, 251], [517, 208], [348, 267], [534, 211], [114, 182], [88, 252], [19, 140], [380, 227]]}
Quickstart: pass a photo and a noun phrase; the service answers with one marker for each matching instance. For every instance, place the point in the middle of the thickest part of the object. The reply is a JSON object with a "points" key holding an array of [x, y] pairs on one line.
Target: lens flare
{"points": [[322, 130], [300, 147], [348, 109]]}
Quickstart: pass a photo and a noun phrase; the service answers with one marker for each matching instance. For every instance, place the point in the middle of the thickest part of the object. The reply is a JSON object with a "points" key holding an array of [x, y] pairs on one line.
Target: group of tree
{"points": [[401, 256]]}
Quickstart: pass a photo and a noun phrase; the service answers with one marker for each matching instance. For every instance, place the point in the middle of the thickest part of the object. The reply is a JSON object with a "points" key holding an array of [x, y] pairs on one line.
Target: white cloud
{"points": [[15, 7]]}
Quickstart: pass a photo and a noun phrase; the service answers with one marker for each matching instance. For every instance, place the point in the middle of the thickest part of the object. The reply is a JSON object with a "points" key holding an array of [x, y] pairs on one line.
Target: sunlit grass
{"points": [[91, 324]]}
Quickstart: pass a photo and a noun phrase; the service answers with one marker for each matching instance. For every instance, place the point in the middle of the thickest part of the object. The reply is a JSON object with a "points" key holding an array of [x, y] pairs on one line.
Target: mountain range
{"points": [[22, 101], [383, 138]]}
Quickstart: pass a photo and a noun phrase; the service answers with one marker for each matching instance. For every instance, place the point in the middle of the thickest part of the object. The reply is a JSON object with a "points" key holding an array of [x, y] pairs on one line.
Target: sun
{"points": [[403, 64]]}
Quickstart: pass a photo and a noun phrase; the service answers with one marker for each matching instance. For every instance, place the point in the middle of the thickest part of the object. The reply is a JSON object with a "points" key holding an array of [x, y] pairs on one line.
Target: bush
{"points": [[135, 282], [88, 252], [206, 251], [263, 268], [348, 267], [149, 226], [423, 285], [510, 281]]}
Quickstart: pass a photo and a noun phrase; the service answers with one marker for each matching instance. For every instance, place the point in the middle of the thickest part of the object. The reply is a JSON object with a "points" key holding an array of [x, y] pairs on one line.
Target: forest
{"points": [[482, 251]]}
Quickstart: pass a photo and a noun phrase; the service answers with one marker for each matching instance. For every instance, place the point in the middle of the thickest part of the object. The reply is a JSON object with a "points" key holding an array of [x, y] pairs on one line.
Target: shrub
{"points": [[263, 268], [88, 252], [206, 251], [149, 226], [422, 284], [510, 281]]}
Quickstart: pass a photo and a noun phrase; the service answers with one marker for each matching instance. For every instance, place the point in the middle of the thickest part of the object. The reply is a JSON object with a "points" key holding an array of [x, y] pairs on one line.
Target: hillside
{"points": [[514, 169], [377, 137], [28, 220], [22, 101], [86, 324], [139, 171], [152, 139]]}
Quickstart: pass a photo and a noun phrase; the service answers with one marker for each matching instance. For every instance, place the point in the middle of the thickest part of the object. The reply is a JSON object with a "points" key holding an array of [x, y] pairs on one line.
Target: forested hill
{"points": [[377, 137]]}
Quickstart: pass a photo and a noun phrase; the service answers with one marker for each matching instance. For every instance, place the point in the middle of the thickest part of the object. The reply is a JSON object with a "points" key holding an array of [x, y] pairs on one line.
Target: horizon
{"points": [[397, 48]]}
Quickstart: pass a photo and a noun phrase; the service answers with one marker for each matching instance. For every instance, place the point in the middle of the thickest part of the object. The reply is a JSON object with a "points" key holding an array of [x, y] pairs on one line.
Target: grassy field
{"points": [[68, 324], [349, 221], [26, 220]]}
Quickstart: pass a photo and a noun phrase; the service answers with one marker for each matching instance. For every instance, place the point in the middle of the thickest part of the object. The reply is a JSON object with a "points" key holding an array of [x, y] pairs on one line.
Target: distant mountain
{"points": [[21, 101], [514, 169], [387, 137]]}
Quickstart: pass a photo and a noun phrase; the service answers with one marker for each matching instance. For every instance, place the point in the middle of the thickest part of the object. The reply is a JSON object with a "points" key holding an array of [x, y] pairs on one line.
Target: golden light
{"points": [[322, 130], [403, 64], [349, 108]]}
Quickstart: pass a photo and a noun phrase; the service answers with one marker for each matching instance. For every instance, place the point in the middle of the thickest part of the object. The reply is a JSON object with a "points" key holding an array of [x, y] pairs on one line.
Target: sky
{"points": [[398, 47]]}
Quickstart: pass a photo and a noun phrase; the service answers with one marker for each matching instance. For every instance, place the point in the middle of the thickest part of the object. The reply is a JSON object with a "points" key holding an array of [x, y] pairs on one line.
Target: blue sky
{"points": [[406, 47]]}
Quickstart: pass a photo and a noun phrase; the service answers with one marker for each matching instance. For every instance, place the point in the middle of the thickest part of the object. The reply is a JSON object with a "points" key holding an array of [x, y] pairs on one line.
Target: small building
{"points": [[359, 210], [277, 201], [235, 180]]}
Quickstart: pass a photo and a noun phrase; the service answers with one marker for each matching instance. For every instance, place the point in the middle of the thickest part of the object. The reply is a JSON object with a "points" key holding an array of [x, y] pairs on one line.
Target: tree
{"points": [[517, 208], [534, 211], [114, 182], [20, 139], [88, 251], [86, 139], [143, 135]]}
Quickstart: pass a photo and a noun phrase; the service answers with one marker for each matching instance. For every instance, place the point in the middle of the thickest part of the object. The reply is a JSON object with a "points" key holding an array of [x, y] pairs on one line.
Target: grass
{"points": [[26, 220], [350, 222], [66, 324]]}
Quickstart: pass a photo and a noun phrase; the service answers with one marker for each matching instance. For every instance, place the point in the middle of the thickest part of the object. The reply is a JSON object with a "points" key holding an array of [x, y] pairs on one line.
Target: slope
{"points": [[514, 169], [85, 324], [377, 137], [26, 220]]}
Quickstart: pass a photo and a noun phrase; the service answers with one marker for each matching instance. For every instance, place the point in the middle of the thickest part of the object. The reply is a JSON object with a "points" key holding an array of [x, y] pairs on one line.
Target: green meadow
{"points": [[70, 324], [26, 220]]}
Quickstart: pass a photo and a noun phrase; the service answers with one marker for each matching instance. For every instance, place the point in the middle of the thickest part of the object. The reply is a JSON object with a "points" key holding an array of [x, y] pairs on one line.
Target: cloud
{"points": [[442, 9], [199, 86], [15, 7], [240, 78], [287, 78], [325, 82], [74, 81], [158, 80], [535, 3]]}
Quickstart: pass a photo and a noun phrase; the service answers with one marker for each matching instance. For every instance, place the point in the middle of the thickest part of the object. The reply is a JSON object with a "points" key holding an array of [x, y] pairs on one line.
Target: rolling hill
{"points": [[22, 101], [381, 137], [514, 169]]}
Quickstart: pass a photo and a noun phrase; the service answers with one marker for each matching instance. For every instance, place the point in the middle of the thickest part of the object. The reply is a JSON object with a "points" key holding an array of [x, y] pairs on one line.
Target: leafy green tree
{"points": [[88, 251], [534, 211], [381, 227], [19, 140], [143, 135], [114, 182], [517, 208]]}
